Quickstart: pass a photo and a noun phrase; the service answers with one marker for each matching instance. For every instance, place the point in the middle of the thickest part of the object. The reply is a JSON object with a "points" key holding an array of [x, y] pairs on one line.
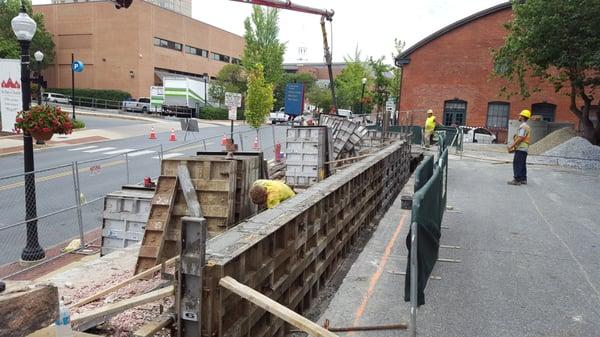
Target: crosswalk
{"points": [[104, 150]]}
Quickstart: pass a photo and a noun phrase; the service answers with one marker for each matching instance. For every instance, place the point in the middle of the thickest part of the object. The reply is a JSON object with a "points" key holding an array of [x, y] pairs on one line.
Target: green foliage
{"points": [[231, 78], [307, 79], [259, 100], [213, 113], [349, 85], [320, 97], [44, 118], [558, 42], [382, 82], [110, 95], [78, 124], [262, 44], [396, 81], [9, 46]]}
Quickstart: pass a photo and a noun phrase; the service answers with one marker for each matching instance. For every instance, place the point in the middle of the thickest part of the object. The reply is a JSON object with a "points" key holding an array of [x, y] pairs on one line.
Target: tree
{"points": [[396, 81], [320, 96], [259, 99], [307, 79], [231, 78], [262, 44], [349, 84], [557, 42], [9, 46], [382, 82]]}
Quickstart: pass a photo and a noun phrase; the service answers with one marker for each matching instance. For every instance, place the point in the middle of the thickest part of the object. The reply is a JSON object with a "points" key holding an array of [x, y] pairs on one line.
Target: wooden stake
{"points": [[275, 308]]}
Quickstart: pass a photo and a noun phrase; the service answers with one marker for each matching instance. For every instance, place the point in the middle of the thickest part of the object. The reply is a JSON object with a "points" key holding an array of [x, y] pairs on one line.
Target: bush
{"points": [[215, 113], [110, 95], [78, 124]]}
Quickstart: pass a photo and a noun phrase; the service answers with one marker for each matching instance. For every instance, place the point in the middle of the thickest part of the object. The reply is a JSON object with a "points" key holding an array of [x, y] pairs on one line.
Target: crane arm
{"points": [[286, 4]]}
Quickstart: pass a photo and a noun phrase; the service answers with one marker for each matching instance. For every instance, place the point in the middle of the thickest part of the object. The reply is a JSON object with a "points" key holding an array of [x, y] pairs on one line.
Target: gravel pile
{"points": [[551, 141], [576, 153]]}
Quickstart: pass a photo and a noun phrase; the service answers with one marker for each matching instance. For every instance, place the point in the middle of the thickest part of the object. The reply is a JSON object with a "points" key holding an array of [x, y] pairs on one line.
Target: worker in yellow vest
{"points": [[429, 127], [520, 147], [270, 192]]}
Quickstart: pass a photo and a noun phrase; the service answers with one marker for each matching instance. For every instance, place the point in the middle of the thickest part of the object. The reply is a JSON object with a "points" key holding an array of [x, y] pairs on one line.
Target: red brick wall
{"points": [[458, 65]]}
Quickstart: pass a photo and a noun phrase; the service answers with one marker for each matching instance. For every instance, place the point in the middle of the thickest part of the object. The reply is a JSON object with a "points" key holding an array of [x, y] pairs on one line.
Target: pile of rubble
{"points": [[576, 153], [551, 141]]}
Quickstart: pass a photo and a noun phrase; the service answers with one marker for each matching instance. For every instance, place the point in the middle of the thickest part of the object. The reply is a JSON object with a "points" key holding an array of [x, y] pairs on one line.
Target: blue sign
{"points": [[77, 66], [294, 99]]}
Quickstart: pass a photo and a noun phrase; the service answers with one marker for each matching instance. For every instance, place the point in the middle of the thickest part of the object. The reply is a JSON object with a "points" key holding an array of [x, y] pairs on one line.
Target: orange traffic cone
{"points": [[224, 140], [172, 137], [255, 145], [152, 134]]}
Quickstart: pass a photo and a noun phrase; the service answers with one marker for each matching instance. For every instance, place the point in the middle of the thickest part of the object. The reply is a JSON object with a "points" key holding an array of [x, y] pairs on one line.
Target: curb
{"points": [[118, 116]]}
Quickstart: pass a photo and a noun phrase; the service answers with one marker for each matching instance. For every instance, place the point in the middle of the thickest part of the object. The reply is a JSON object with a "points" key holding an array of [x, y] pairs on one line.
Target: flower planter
{"points": [[42, 135]]}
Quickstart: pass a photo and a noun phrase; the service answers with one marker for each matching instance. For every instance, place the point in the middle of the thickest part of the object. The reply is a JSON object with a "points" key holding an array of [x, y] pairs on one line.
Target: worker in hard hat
{"points": [[430, 124], [520, 147], [270, 192]]}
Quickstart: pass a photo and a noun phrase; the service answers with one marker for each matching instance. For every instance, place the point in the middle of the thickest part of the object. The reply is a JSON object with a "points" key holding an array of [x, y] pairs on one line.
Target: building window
{"points": [[236, 61], [196, 51], [219, 57], [167, 44], [497, 115], [455, 112], [546, 110]]}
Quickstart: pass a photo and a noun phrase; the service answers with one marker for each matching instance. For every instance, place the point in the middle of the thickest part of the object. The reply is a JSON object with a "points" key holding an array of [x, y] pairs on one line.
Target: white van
{"points": [[345, 113]]}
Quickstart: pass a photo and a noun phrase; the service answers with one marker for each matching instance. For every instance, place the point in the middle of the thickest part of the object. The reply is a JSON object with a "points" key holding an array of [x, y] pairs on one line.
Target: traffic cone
{"points": [[224, 140], [172, 137], [255, 145], [152, 134]]}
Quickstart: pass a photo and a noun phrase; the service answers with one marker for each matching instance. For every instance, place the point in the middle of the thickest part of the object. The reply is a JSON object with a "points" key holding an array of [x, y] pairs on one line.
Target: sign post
{"points": [[233, 101], [76, 67]]}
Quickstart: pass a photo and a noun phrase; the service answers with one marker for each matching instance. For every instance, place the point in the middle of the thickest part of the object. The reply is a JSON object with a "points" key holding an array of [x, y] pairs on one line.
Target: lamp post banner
{"points": [[10, 93]]}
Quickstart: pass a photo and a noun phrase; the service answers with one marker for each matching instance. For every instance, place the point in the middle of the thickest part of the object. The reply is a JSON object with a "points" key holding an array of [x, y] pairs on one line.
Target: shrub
{"points": [[110, 95], [44, 118], [78, 124]]}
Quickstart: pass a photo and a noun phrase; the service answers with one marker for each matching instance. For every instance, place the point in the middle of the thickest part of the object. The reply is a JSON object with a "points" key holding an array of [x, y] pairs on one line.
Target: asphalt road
{"points": [[92, 122], [529, 260], [103, 168]]}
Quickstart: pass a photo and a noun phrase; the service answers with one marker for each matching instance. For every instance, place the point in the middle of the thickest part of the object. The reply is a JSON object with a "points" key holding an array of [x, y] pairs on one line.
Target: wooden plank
{"points": [[109, 290], [50, 331], [25, 310], [189, 191], [155, 326], [275, 308], [91, 318]]}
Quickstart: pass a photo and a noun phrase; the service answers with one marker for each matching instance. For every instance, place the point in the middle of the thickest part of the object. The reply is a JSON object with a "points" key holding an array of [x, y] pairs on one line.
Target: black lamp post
{"points": [[24, 28], [39, 56], [362, 94]]}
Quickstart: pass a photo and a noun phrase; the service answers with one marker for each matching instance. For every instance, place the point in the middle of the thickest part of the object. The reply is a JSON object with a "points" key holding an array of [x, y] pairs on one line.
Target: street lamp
{"points": [[24, 28], [39, 56], [362, 94]]}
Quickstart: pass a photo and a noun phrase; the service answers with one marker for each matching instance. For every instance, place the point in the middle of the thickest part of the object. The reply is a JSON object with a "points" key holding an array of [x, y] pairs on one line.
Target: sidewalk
{"points": [[529, 260]]}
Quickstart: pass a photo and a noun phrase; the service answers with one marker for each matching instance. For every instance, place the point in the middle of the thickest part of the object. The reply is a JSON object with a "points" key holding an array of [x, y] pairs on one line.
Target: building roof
{"points": [[404, 57]]}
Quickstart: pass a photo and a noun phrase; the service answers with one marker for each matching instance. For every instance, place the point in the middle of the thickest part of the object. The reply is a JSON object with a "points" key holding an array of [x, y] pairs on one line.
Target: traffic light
{"points": [[122, 3]]}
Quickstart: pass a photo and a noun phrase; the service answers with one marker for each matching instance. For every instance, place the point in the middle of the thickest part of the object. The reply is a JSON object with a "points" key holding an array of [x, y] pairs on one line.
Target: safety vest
{"points": [[276, 191], [524, 145], [430, 124]]}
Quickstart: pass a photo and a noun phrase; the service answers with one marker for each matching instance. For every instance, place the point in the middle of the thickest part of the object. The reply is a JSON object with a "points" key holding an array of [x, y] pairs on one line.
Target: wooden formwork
{"points": [[288, 253]]}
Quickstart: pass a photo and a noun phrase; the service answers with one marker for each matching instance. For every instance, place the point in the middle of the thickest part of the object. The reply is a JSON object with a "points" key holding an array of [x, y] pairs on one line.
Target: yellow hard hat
{"points": [[430, 111], [525, 113]]}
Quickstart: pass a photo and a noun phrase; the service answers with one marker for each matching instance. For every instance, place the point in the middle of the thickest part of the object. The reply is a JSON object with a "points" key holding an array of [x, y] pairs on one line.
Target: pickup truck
{"points": [[278, 117], [141, 105]]}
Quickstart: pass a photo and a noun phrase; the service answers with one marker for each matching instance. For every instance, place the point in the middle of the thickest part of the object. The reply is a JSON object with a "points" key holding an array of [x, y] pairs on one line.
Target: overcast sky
{"points": [[371, 25]]}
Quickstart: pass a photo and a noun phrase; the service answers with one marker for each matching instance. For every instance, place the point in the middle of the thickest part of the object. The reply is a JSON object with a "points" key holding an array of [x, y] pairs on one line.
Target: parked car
{"points": [[278, 117], [478, 135], [304, 119], [345, 113], [141, 105], [52, 97]]}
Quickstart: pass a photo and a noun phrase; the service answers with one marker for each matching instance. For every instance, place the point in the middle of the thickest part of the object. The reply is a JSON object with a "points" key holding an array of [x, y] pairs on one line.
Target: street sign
{"points": [[233, 99], [77, 66], [294, 99], [232, 113], [390, 105]]}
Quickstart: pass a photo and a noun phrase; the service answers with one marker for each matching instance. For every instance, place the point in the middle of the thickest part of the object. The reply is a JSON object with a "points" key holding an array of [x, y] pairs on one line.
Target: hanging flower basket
{"points": [[43, 121]]}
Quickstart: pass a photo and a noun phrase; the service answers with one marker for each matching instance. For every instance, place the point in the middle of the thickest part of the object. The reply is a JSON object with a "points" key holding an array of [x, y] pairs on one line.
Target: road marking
{"points": [[119, 151], [83, 148], [140, 153], [169, 155], [100, 149]]}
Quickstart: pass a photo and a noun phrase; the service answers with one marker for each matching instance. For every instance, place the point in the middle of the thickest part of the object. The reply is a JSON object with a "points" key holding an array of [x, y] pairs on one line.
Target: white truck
{"points": [[183, 96], [140, 105]]}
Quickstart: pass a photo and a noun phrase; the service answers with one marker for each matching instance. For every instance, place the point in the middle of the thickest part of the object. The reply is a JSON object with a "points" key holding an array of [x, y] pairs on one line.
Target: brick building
{"points": [[318, 70], [133, 49], [450, 72]]}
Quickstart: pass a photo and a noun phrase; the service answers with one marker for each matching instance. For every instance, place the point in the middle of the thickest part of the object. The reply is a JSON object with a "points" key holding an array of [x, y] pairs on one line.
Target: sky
{"points": [[371, 25]]}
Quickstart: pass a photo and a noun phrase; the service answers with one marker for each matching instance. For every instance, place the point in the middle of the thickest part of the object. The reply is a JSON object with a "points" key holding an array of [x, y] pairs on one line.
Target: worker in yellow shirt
{"points": [[429, 127], [270, 192]]}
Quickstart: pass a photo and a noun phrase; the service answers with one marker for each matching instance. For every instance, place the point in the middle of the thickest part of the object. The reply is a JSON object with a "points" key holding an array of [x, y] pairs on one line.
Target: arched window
{"points": [[546, 110], [455, 112], [497, 115]]}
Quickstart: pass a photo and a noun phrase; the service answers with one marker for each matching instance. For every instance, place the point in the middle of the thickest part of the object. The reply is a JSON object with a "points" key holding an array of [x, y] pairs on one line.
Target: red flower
{"points": [[19, 120], [46, 129]]}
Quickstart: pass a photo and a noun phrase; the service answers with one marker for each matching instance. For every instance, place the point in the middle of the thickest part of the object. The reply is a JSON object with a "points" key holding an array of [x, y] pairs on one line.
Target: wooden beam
{"points": [[26, 310], [189, 191], [346, 159], [155, 326], [275, 308], [109, 290], [94, 317]]}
